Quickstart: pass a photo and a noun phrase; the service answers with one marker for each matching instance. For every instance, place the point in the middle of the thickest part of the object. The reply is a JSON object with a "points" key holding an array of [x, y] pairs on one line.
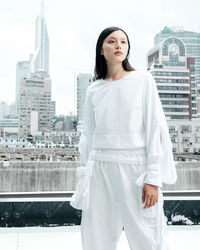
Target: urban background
{"points": [[39, 146]]}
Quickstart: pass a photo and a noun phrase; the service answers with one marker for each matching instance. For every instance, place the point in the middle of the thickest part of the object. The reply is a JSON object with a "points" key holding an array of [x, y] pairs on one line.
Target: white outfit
{"points": [[125, 140]]}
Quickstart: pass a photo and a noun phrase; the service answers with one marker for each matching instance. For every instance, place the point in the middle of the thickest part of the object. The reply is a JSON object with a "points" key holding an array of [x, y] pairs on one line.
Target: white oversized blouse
{"points": [[127, 114]]}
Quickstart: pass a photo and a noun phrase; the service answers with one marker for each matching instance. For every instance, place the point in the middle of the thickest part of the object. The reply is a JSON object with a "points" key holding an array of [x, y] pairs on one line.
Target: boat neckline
{"points": [[133, 71]]}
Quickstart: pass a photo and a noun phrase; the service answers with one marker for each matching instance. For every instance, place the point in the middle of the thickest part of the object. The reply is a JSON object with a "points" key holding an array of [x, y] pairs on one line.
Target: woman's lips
{"points": [[118, 53]]}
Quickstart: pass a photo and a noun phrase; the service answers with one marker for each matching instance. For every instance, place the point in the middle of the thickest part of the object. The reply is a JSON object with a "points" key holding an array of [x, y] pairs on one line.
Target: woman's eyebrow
{"points": [[115, 38]]}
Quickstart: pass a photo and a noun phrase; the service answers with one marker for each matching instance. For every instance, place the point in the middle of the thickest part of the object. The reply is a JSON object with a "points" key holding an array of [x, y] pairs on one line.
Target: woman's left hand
{"points": [[149, 195]]}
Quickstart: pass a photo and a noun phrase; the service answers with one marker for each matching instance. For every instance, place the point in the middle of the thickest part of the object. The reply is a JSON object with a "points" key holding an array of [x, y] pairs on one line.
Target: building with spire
{"points": [[34, 93], [40, 60]]}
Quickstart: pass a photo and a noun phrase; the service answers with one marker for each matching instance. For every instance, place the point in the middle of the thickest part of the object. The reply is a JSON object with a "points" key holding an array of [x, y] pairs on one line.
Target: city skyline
{"points": [[73, 30]]}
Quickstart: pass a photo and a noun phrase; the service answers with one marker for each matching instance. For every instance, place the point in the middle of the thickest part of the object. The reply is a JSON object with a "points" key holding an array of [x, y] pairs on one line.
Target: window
{"points": [[171, 128], [185, 139], [197, 139], [186, 128], [198, 128], [174, 150]]}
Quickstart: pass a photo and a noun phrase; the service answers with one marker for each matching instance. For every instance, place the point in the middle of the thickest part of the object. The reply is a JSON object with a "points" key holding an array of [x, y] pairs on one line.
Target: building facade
{"points": [[34, 105], [185, 136], [174, 74], [23, 71], [83, 81], [40, 60], [191, 42]]}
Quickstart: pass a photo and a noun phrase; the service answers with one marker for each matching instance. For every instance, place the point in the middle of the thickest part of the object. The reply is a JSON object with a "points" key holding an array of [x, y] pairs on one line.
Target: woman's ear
{"points": [[101, 52]]}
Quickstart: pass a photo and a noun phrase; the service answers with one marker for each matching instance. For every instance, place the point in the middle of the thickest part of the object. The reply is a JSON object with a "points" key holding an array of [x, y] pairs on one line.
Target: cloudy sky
{"points": [[73, 28]]}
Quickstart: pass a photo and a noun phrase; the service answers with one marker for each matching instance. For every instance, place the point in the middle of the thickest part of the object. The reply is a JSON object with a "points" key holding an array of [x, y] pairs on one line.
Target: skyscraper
{"points": [[40, 60], [83, 81], [23, 70], [175, 78], [191, 41]]}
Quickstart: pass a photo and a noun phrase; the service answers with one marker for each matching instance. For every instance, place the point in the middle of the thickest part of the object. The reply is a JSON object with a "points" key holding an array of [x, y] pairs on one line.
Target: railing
{"points": [[52, 208], [66, 196]]}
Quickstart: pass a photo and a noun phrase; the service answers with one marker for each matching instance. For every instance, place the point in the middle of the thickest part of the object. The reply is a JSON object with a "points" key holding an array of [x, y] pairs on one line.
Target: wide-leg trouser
{"points": [[116, 202]]}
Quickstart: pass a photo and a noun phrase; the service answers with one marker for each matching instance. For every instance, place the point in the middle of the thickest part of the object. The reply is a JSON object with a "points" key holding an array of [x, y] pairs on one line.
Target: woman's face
{"points": [[115, 47]]}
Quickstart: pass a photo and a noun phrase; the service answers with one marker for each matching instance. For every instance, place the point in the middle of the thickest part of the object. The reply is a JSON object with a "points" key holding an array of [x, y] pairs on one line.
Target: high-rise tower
{"points": [[191, 41], [40, 60], [174, 72]]}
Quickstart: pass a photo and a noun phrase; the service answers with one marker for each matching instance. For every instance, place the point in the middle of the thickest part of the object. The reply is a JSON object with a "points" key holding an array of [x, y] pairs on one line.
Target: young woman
{"points": [[126, 153]]}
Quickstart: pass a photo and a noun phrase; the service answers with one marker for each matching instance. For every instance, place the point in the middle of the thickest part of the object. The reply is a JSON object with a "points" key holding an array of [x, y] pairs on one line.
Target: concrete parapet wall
{"points": [[30, 176], [38, 176], [188, 177]]}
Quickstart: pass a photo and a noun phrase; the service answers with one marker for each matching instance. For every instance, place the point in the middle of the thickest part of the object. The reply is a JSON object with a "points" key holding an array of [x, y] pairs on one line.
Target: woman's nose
{"points": [[118, 45]]}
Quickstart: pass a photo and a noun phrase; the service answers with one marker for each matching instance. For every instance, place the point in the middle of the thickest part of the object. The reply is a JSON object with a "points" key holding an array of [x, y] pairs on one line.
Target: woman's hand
{"points": [[149, 195]]}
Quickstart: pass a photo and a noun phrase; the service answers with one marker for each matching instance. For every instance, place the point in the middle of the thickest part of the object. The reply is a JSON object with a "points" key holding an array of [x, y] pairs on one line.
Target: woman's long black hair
{"points": [[100, 69]]}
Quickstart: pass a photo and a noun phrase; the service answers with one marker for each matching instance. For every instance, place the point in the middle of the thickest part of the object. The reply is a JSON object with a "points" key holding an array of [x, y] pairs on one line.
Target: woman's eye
{"points": [[111, 41]]}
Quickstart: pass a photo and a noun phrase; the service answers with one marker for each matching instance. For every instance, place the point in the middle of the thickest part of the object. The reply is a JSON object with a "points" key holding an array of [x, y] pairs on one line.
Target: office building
{"points": [[34, 105], [191, 41], [83, 81], [174, 73]]}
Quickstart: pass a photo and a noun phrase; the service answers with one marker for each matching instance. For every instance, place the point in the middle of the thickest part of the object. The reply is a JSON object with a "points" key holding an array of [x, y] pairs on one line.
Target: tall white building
{"points": [[4, 109], [23, 70], [83, 81], [40, 60]]}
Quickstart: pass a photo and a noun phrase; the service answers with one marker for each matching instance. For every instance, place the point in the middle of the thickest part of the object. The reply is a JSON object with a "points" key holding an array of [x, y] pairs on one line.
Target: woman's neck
{"points": [[115, 72]]}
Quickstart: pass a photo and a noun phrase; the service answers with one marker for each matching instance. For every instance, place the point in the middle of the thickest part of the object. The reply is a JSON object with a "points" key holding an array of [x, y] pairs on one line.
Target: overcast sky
{"points": [[73, 28]]}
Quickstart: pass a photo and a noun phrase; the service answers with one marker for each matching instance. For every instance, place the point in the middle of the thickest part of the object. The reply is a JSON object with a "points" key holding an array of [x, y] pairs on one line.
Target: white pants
{"points": [[116, 202]]}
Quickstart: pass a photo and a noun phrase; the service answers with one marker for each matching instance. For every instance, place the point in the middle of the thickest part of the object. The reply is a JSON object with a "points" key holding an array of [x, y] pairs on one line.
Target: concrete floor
{"points": [[69, 238]]}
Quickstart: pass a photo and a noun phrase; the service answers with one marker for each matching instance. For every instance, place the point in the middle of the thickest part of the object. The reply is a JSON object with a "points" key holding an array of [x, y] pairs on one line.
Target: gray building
{"points": [[23, 70], [83, 81], [185, 136], [34, 105], [9, 127], [4, 109], [53, 112]]}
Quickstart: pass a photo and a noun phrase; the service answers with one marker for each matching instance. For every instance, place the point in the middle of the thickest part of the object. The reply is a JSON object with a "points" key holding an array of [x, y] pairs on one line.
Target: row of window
{"points": [[186, 150], [187, 139], [184, 128], [174, 102], [164, 73], [172, 88], [163, 95], [174, 63], [6, 140], [171, 80], [190, 40], [178, 117], [176, 109]]}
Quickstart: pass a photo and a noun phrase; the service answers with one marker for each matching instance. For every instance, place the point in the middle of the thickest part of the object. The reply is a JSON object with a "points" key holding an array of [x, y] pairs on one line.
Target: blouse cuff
{"points": [[153, 175]]}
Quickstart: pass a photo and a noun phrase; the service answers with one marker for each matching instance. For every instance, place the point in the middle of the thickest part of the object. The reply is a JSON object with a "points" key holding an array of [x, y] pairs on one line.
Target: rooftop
{"points": [[62, 238]]}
